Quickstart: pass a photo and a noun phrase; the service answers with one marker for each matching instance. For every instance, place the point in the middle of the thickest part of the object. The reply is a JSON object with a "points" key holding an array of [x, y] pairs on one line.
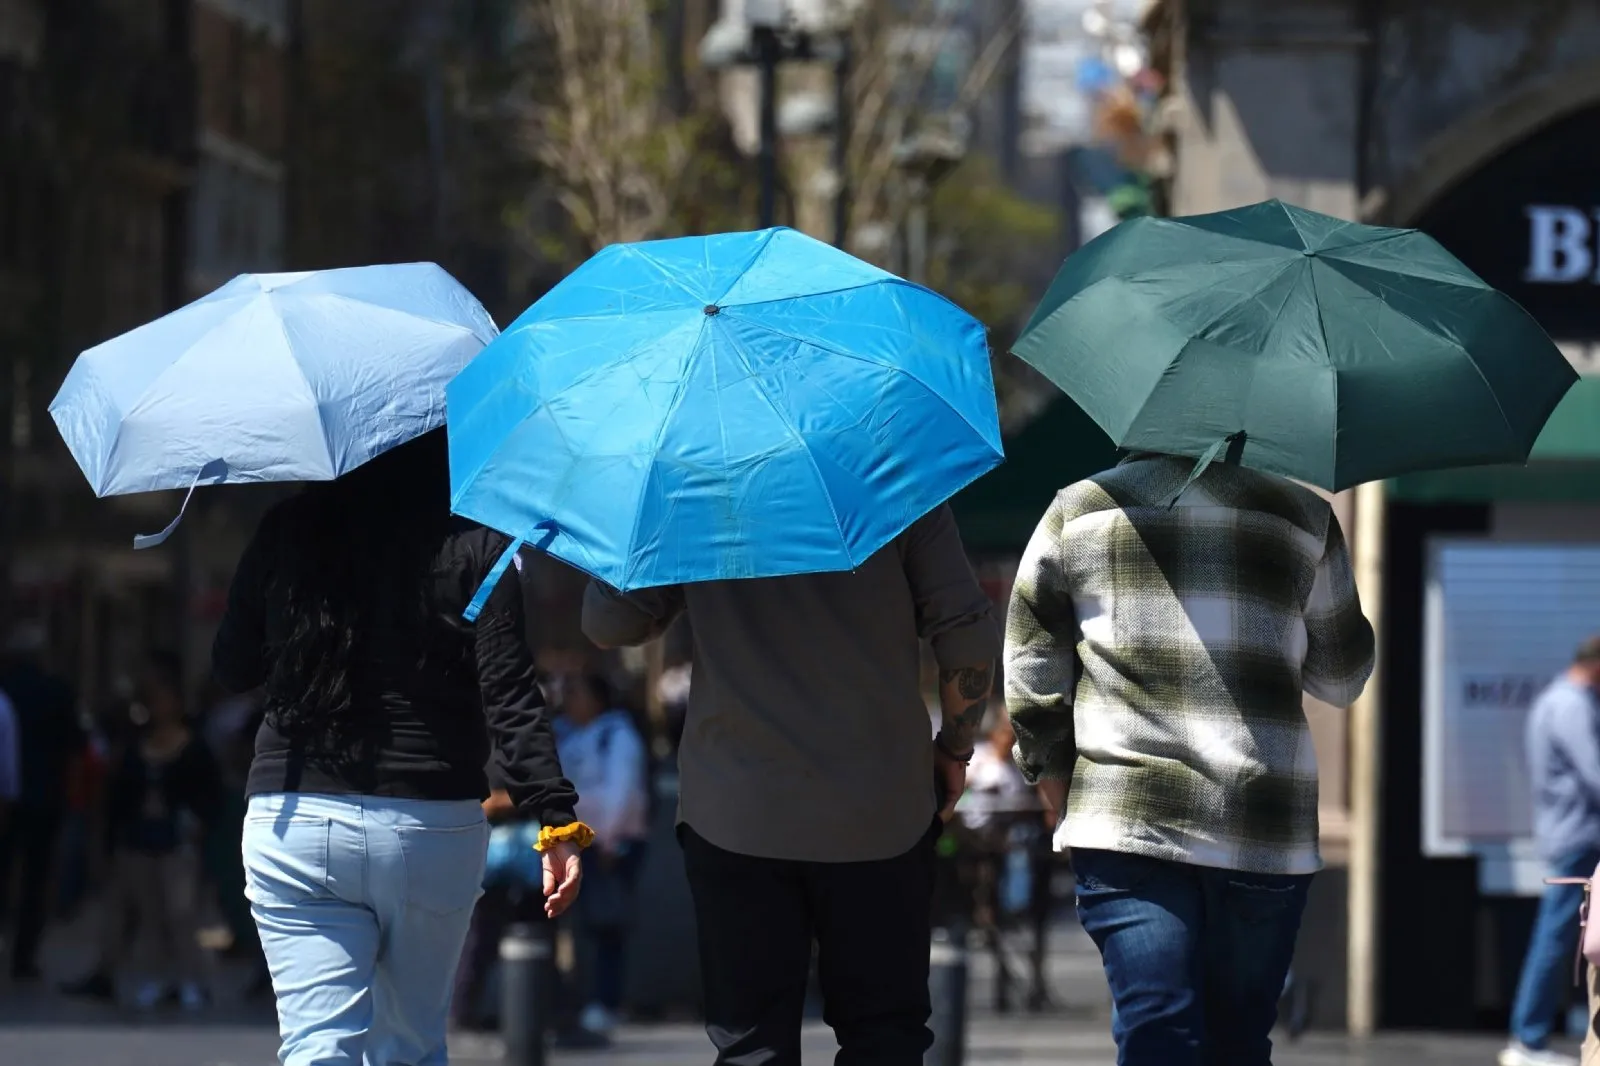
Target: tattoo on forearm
{"points": [[972, 684], [971, 716], [971, 681]]}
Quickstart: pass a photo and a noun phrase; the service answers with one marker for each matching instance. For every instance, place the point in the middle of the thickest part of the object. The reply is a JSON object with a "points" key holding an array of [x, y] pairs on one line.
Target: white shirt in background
{"points": [[605, 761]]}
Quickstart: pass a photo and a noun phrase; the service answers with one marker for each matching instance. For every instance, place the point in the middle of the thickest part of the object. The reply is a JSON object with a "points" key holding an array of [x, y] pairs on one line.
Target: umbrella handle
{"points": [[1234, 442], [498, 570], [217, 471]]}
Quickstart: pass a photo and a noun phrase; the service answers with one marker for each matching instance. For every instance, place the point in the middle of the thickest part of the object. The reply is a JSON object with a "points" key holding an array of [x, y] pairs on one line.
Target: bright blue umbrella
{"points": [[273, 377], [736, 406]]}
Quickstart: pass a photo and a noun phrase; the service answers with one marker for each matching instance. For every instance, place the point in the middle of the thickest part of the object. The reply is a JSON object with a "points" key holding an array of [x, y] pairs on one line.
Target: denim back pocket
{"points": [[1261, 900], [1112, 871], [444, 867], [285, 857]]}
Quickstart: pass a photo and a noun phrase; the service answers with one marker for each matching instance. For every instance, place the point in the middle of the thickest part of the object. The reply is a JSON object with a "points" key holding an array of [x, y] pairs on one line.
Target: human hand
{"points": [[563, 875], [1053, 797], [498, 806], [951, 775]]}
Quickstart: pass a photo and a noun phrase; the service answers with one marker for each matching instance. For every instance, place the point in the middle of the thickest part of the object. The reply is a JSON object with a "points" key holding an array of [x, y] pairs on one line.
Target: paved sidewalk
{"points": [[994, 1042], [40, 1028]]}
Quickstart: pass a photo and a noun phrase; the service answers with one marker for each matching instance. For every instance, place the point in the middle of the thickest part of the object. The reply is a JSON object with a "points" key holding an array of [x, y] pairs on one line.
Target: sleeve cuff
{"points": [[558, 818], [973, 644]]}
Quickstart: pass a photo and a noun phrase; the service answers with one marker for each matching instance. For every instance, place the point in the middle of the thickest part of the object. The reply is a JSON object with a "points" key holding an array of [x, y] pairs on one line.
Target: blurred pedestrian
{"points": [[807, 808], [364, 839], [49, 735], [229, 726], [1563, 748], [163, 787], [994, 784], [1160, 635], [604, 756], [1000, 808], [10, 762]]}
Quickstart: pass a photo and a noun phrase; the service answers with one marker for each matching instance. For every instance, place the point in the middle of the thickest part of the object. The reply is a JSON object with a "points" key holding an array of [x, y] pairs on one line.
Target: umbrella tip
{"points": [[712, 310]]}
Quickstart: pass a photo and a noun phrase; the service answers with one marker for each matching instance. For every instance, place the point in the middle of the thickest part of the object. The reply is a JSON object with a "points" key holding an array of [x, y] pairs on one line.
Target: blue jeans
{"points": [[1196, 957], [1545, 988], [362, 903]]}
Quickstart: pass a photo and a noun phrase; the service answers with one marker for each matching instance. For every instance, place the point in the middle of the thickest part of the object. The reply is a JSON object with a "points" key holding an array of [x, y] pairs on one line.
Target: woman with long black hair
{"points": [[364, 843]]}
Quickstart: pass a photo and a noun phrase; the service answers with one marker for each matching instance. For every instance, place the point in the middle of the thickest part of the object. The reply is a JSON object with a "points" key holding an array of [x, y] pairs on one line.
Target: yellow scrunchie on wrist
{"points": [[576, 833]]}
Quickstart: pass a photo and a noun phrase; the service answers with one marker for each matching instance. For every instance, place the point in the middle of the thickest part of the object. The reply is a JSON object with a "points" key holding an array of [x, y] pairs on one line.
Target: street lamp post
{"points": [[925, 158], [841, 143], [768, 54], [764, 34]]}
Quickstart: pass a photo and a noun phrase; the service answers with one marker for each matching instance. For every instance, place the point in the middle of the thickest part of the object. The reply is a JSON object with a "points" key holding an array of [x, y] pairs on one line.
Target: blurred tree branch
{"points": [[595, 115], [898, 50]]}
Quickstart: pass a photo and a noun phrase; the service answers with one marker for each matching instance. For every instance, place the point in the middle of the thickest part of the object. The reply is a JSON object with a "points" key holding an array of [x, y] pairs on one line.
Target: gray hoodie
{"points": [[1564, 765]]}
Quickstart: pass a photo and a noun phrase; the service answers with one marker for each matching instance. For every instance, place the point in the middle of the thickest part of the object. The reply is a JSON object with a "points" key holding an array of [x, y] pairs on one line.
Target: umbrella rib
{"points": [[1247, 297], [807, 295], [322, 423], [367, 304], [766, 243], [581, 378], [1476, 369], [655, 449], [843, 354], [796, 434], [144, 394], [1322, 324], [887, 279], [1334, 259], [667, 275]]}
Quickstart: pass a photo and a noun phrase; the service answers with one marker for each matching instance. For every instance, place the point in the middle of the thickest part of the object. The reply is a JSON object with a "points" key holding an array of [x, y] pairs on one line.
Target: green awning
{"points": [[1564, 466], [998, 512]]}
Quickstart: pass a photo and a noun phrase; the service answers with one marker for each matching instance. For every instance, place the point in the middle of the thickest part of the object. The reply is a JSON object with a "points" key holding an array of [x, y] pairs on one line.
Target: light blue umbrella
{"points": [[273, 377], [736, 406]]}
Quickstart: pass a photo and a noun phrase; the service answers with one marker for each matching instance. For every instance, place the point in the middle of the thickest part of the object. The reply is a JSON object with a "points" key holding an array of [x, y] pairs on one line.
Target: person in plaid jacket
{"points": [[1160, 636]]}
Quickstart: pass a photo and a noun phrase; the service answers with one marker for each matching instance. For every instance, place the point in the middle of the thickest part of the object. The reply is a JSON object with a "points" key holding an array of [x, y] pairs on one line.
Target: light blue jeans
{"points": [[363, 903]]}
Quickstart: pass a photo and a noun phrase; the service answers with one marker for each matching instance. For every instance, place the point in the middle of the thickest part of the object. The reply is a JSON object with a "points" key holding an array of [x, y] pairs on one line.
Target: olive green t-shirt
{"points": [[807, 736]]}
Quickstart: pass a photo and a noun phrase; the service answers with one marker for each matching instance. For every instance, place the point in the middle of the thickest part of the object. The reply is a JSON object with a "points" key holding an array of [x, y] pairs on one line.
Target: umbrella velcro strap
{"points": [[1234, 442], [496, 572], [215, 471]]}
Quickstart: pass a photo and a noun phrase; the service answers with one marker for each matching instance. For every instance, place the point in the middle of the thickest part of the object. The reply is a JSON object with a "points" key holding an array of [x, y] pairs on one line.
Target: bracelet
{"points": [[576, 833], [944, 749]]}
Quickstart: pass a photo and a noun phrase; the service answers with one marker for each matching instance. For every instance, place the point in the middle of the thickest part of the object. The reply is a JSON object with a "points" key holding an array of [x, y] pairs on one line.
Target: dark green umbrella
{"points": [[1320, 349]]}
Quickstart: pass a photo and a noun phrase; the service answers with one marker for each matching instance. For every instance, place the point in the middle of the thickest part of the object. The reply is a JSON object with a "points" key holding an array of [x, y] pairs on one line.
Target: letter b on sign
{"points": [[1559, 247]]}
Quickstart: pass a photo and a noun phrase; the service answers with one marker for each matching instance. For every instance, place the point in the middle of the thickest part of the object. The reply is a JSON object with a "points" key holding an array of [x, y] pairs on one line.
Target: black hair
{"points": [[354, 557]]}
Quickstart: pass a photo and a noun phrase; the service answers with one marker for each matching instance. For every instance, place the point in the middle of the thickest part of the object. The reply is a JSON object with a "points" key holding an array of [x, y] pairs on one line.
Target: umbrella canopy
{"points": [[1321, 349], [735, 406], [273, 377]]}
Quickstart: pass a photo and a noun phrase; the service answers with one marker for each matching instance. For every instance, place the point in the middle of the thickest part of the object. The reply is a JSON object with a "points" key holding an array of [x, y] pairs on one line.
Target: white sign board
{"points": [[1501, 621]]}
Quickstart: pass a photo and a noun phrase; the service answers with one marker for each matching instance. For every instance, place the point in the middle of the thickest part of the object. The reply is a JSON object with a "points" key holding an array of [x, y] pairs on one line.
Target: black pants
{"points": [[757, 921]]}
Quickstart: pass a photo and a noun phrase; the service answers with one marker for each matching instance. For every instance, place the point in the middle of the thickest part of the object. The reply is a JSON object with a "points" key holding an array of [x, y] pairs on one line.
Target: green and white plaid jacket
{"points": [[1155, 658]]}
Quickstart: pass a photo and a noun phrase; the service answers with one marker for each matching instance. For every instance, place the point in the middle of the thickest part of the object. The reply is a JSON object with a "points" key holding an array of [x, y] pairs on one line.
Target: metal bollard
{"points": [[947, 990], [527, 982]]}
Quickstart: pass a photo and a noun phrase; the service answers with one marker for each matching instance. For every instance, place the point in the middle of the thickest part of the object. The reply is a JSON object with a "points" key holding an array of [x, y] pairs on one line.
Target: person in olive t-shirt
{"points": [[807, 805]]}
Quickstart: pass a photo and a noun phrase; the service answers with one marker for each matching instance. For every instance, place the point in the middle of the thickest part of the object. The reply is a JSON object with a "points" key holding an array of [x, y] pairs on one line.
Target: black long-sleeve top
{"points": [[470, 698]]}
